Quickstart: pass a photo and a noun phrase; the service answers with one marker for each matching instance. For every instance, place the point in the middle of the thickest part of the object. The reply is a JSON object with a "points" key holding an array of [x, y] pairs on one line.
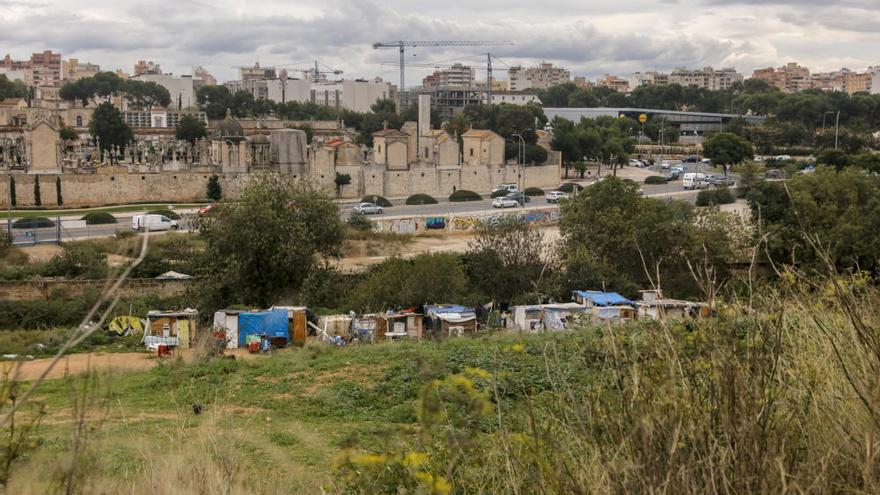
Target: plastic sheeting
{"points": [[604, 298], [272, 323]]}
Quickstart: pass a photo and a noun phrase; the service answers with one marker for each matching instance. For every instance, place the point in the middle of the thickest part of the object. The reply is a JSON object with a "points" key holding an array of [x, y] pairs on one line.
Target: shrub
{"points": [[359, 221], [12, 191], [655, 179], [377, 200], [570, 187], [38, 201], [168, 213], [32, 223], [464, 195], [534, 191], [420, 199], [498, 193], [99, 218], [214, 191], [59, 200], [720, 196]]}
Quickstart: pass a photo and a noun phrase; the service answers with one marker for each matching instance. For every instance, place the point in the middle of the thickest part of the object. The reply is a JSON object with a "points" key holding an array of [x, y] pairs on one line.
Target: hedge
{"points": [[420, 199], [377, 200], [569, 187], [99, 218], [32, 223], [166, 212], [533, 191], [655, 179], [720, 196], [464, 195], [498, 193]]}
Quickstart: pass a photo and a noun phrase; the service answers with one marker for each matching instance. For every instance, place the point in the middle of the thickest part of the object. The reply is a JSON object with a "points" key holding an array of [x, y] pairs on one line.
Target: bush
{"points": [[570, 187], [420, 199], [214, 190], [464, 195], [32, 223], [655, 179], [99, 218], [359, 221], [166, 212], [720, 196], [498, 193], [377, 200], [534, 191]]}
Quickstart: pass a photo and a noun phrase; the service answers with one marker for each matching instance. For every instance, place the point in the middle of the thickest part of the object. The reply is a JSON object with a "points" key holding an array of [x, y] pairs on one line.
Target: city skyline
{"points": [[746, 34]]}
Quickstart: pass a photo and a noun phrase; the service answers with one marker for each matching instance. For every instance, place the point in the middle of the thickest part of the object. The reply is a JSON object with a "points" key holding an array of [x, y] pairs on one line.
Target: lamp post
{"points": [[836, 125], [521, 151]]}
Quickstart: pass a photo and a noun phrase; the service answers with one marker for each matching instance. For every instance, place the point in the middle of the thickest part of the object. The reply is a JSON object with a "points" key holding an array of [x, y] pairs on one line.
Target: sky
{"points": [[589, 37]]}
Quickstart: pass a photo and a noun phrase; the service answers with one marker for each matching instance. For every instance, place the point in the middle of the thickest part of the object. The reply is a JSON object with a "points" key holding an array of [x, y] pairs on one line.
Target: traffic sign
{"points": [[643, 118]]}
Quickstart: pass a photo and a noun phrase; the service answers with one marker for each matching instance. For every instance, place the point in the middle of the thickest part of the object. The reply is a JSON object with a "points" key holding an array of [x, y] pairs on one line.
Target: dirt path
{"points": [[77, 364]]}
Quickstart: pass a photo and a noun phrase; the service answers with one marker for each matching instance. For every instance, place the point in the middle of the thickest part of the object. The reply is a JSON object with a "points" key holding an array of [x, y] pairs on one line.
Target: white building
{"points": [[262, 89], [182, 88], [158, 119], [541, 77], [14, 74], [513, 97], [706, 78], [357, 95]]}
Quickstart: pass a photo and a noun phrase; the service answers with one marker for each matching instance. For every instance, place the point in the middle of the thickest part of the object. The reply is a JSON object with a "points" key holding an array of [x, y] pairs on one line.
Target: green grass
{"points": [[82, 211]]}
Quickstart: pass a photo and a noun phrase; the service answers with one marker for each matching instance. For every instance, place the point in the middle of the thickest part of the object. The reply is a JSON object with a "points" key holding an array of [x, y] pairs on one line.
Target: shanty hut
{"points": [[451, 319], [298, 326], [336, 325], [395, 324], [226, 326], [605, 306], [171, 328], [272, 324], [653, 305], [540, 317]]}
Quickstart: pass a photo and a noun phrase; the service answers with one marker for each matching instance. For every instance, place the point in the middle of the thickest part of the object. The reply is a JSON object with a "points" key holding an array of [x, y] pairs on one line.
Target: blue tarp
{"points": [[271, 323], [604, 298], [448, 308]]}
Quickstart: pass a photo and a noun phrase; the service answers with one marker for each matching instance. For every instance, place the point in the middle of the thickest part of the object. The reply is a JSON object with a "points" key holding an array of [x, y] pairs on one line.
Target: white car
{"points": [[664, 165], [504, 202], [367, 208], [555, 196]]}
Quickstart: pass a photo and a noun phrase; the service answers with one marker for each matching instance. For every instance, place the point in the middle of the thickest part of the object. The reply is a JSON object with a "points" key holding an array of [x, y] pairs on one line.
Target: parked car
{"points": [[634, 163], [706, 161], [519, 197], [205, 210], [570, 187], [783, 158], [506, 187], [555, 196], [664, 164], [504, 202], [673, 175], [720, 180], [692, 159], [152, 223], [367, 208]]}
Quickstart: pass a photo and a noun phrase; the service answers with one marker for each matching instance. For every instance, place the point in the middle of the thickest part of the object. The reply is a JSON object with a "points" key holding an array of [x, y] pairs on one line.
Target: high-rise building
{"points": [[541, 77], [73, 69], [706, 78], [257, 73], [45, 69], [457, 75], [146, 67], [790, 78], [614, 82], [202, 77]]}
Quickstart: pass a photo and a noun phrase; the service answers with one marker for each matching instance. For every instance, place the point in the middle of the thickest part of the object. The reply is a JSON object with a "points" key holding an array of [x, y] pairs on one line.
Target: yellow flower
{"points": [[461, 381], [478, 372], [424, 477], [367, 459], [415, 459], [518, 348], [441, 486]]}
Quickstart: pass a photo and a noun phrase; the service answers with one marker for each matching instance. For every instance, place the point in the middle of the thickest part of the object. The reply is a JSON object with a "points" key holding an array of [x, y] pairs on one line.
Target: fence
{"points": [[64, 229]]}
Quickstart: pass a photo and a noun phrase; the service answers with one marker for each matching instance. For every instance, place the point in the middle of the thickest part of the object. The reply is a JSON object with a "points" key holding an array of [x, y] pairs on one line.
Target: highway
{"points": [[26, 237]]}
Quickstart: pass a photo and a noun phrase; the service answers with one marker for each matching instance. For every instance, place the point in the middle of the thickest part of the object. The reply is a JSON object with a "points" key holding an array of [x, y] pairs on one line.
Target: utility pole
{"points": [[836, 128], [489, 78]]}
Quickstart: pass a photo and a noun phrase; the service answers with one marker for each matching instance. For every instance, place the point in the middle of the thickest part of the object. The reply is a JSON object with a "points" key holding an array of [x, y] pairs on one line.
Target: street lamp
{"points": [[521, 151], [836, 125]]}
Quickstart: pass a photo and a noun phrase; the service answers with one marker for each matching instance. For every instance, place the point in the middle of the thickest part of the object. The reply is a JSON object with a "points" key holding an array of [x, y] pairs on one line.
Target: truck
{"points": [[152, 223]]}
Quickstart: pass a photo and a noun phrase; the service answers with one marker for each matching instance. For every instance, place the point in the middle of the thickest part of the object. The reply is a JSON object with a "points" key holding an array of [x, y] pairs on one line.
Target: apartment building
{"points": [[257, 73], [613, 82], [457, 75], [706, 78], [74, 70], [544, 76], [146, 67]]}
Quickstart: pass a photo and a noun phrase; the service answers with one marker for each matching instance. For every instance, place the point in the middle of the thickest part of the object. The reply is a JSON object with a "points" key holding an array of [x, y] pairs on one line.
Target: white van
{"points": [[152, 223], [694, 180]]}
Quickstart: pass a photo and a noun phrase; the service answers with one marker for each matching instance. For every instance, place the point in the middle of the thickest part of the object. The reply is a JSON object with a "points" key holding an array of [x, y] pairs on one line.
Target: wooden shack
{"points": [[171, 328]]}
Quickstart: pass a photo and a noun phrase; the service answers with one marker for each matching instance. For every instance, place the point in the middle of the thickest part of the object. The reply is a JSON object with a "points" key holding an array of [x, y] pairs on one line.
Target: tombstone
{"points": [[289, 150]]}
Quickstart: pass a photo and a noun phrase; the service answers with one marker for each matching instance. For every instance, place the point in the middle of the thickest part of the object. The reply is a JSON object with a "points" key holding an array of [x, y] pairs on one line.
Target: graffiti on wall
{"points": [[435, 223]]}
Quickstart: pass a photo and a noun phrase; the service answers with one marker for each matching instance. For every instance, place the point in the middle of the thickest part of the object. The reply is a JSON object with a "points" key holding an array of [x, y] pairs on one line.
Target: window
{"points": [[79, 121], [472, 152]]}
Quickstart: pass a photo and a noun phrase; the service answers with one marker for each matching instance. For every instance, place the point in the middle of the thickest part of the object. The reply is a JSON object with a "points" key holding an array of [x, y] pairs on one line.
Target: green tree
{"points": [[839, 211], [834, 158], [214, 101], [68, 134], [264, 245], [11, 89], [409, 283], [144, 95], [507, 260], [190, 128], [726, 148], [59, 200], [341, 180], [243, 104], [108, 126], [214, 190], [38, 201]]}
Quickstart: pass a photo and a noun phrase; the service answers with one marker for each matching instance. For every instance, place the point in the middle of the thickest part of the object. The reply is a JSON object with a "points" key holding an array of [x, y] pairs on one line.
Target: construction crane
{"points": [[402, 45], [316, 72]]}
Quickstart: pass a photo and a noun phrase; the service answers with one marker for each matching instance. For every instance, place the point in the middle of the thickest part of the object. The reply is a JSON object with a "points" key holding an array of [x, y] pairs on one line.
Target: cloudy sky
{"points": [[590, 37]]}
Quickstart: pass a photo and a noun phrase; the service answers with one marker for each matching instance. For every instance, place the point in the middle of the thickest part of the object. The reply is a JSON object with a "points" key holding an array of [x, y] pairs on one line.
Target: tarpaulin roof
{"points": [[270, 323], [447, 308], [603, 298]]}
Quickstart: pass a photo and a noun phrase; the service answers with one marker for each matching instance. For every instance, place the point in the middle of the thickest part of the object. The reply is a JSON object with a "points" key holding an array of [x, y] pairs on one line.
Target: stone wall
{"points": [[185, 187], [44, 289]]}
